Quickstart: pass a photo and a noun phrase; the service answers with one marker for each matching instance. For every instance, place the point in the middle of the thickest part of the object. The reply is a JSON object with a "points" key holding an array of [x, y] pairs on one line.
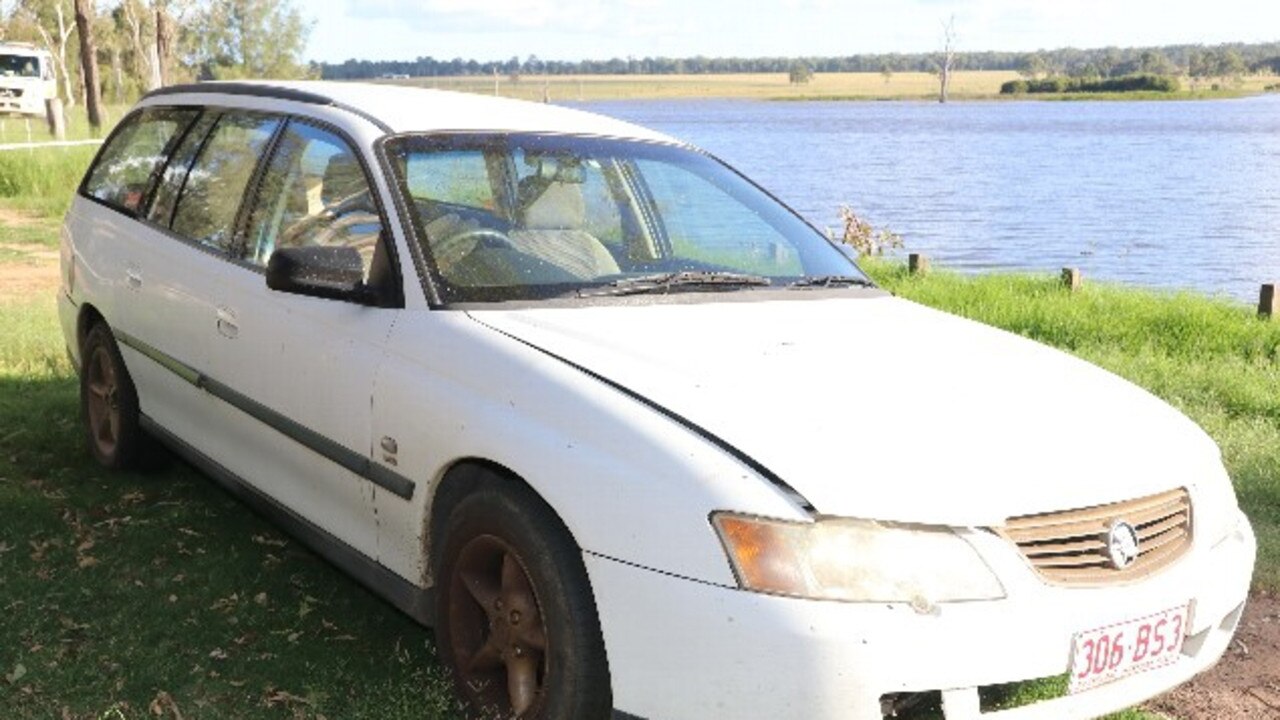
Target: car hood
{"points": [[876, 407]]}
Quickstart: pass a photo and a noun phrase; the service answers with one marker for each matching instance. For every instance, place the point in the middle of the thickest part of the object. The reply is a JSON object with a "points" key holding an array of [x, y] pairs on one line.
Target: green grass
{"points": [[42, 181], [129, 591], [1210, 358]]}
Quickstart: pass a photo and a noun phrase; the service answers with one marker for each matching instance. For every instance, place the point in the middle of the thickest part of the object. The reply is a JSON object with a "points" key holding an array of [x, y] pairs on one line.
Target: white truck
{"points": [[26, 79]]}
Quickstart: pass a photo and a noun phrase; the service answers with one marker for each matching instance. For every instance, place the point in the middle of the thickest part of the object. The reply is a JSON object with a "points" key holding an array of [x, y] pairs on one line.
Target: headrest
{"points": [[547, 205], [342, 179]]}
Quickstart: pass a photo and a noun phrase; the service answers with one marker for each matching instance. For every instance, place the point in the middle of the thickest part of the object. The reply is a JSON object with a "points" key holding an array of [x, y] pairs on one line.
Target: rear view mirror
{"points": [[333, 272]]}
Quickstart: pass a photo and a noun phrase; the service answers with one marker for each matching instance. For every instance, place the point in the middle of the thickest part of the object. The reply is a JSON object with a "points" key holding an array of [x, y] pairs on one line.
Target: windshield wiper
{"points": [[673, 281], [831, 281]]}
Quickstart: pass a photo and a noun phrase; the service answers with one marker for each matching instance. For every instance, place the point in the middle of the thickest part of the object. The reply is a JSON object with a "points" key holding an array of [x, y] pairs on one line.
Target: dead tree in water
{"points": [[947, 64]]}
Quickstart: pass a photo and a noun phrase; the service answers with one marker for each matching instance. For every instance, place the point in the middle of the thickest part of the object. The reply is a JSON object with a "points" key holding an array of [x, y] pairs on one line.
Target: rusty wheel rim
{"points": [[103, 401], [498, 636]]}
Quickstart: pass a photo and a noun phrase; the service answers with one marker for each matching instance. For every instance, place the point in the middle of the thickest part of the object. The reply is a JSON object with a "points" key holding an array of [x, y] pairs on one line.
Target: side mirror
{"points": [[332, 272]]}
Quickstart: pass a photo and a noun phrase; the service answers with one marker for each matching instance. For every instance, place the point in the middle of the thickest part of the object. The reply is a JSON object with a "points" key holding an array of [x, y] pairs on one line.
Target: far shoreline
{"points": [[967, 86]]}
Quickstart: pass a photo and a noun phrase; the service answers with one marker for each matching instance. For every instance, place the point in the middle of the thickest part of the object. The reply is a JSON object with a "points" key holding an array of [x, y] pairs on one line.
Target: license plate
{"points": [[1109, 653]]}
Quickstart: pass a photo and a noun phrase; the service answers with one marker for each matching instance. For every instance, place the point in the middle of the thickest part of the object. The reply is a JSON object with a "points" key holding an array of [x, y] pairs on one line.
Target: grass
{"points": [[40, 182], [126, 595], [758, 86]]}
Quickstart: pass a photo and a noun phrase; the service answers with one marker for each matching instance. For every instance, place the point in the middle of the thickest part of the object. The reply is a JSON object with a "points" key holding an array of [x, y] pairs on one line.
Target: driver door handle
{"points": [[227, 326]]}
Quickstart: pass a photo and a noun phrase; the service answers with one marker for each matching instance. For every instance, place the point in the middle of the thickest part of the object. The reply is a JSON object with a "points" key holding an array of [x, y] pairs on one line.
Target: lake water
{"points": [[1165, 194]]}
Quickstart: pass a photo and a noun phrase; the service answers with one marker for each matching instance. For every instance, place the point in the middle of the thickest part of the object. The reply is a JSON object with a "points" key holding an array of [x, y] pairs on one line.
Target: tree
{"points": [[947, 62], [886, 71], [800, 73], [250, 39], [89, 63], [1230, 64], [1156, 62], [1033, 66], [146, 63]]}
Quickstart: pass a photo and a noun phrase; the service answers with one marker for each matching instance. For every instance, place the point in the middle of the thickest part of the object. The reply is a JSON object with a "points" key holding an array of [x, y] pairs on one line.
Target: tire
{"points": [[108, 402], [516, 623]]}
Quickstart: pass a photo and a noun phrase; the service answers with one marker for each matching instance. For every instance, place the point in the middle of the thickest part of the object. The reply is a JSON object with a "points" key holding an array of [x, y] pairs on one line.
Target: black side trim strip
{"points": [[418, 603], [791, 493], [619, 715], [355, 462]]}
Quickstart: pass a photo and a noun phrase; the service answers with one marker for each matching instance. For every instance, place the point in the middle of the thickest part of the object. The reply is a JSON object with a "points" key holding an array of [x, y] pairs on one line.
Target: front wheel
{"points": [[516, 619], [108, 402]]}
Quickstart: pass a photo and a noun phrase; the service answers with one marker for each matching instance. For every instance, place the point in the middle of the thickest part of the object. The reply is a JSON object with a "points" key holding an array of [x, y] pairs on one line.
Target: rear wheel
{"points": [[516, 620], [108, 402]]}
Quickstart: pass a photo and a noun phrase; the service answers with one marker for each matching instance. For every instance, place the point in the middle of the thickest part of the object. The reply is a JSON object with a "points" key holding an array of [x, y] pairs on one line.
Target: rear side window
{"points": [[216, 183], [174, 175], [127, 165]]}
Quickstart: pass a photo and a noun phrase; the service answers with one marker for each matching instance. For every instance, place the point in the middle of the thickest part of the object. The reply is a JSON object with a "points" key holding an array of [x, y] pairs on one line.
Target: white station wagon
{"points": [[632, 436]]}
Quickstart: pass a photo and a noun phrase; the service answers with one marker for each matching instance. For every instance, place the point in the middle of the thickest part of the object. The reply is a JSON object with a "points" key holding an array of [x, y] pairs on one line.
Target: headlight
{"points": [[855, 560]]}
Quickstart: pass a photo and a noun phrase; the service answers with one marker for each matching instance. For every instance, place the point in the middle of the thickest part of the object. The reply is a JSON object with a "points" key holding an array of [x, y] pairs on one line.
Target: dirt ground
{"points": [[1245, 685], [32, 273]]}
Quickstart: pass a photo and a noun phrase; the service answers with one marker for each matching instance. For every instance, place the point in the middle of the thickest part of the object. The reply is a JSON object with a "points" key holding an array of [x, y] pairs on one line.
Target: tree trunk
{"points": [[64, 32], [143, 53], [164, 43], [117, 67], [948, 62], [89, 63]]}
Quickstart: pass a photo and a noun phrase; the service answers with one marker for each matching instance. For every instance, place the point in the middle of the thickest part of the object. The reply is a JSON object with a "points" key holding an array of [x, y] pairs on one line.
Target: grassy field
{"points": [[155, 594], [966, 85], [758, 86]]}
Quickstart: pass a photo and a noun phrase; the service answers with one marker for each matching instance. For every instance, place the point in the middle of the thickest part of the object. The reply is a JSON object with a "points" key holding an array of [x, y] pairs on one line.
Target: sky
{"points": [[603, 29]]}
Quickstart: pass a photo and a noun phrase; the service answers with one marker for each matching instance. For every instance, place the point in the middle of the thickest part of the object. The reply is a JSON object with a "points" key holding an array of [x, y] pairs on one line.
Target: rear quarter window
{"points": [[126, 167]]}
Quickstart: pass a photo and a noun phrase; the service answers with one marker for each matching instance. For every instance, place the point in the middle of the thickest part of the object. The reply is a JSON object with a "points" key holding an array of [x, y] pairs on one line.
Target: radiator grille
{"points": [[1070, 548]]}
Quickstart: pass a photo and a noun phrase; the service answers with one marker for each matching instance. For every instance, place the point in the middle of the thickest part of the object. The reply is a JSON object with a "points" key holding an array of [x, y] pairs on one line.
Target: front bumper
{"points": [[684, 649]]}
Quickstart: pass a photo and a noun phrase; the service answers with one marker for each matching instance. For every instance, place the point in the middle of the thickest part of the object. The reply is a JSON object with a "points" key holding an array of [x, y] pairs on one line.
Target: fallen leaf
{"points": [[19, 671], [276, 697], [218, 654], [260, 598], [87, 561]]}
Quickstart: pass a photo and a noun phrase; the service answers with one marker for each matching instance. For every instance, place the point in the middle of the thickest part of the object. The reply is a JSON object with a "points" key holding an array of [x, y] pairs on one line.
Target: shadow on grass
{"points": [[146, 592]]}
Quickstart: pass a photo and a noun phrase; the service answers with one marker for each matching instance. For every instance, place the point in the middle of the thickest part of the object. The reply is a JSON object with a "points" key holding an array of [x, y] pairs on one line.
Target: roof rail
{"points": [[263, 90]]}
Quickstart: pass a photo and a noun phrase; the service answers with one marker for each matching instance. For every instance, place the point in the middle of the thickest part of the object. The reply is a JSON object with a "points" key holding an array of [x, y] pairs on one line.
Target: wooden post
{"points": [[918, 264], [1072, 279], [57, 121], [1268, 305]]}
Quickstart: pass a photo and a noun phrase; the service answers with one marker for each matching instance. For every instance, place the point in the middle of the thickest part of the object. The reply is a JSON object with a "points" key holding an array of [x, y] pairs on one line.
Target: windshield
{"points": [[522, 216], [19, 66]]}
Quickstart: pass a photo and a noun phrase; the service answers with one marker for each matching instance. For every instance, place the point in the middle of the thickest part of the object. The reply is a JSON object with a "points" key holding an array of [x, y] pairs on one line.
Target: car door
{"points": [[189, 222], [301, 369], [146, 285]]}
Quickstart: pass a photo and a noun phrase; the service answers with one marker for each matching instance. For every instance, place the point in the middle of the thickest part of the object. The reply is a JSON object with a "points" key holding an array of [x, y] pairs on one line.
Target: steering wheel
{"points": [[484, 237]]}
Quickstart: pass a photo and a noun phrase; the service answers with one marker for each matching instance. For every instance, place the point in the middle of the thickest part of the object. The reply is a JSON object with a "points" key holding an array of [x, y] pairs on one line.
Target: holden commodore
{"points": [[633, 437]]}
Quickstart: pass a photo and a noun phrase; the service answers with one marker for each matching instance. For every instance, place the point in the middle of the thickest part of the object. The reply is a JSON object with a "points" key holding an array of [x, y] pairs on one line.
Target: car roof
{"points": [[400, 109]]}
